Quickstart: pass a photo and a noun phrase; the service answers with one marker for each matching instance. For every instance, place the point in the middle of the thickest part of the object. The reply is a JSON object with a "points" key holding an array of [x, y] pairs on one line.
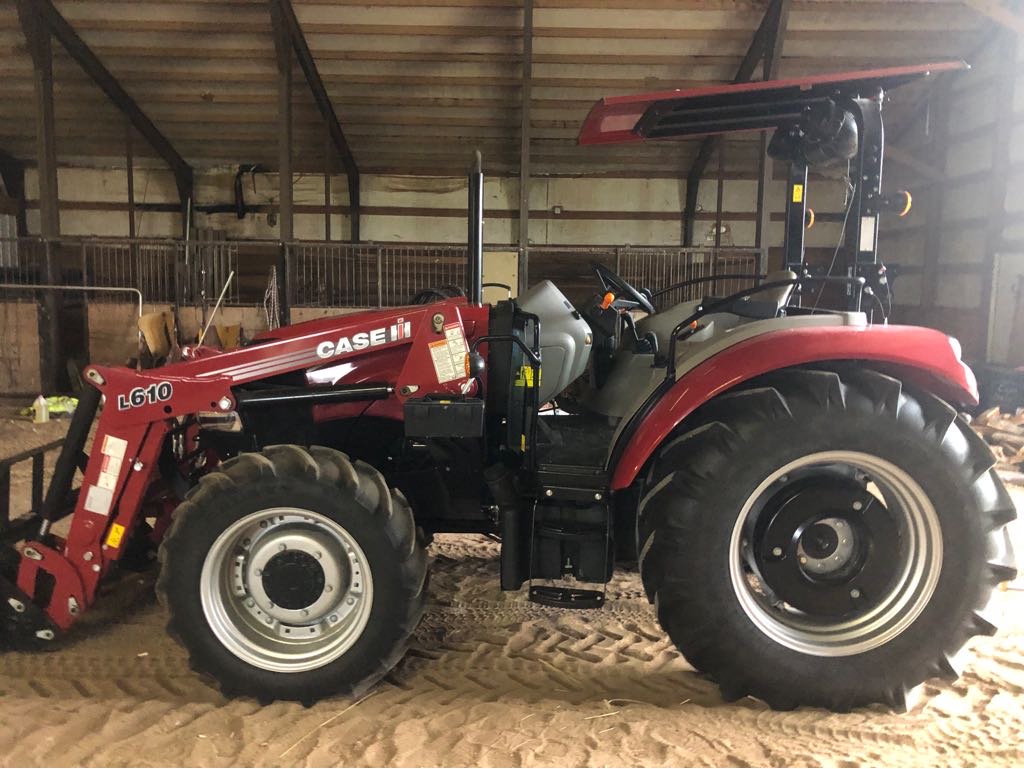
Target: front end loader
{"points": [[814, 522]]}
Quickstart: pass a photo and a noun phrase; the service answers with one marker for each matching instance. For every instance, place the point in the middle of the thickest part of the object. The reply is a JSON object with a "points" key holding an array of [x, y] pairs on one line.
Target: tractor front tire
{"points": [[824, 538], [293, 574]]}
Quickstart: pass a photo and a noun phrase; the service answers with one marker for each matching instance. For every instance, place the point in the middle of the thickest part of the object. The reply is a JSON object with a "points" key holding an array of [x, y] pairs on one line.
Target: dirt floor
{"points": [[491, 680]]}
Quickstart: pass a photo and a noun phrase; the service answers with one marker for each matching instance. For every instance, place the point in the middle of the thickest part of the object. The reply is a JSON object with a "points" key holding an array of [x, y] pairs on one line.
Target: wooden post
{"points": [[40, 48], [938, 122], [1006, 56], [129, 157], [719, 199], [524, 148], [286, 211], [770, 71], [328, 165]]}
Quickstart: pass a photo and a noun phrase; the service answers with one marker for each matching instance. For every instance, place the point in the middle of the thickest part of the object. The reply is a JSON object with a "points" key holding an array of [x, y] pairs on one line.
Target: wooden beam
{"points": [[40, 50], [96, 70], [129, 161], [328, 168], [933, 218], [999, 13], [283, 14], [286, 211], [765, 165], [283, 49], [767, 40], [12, 171], [1002, 151], [524, 147]]}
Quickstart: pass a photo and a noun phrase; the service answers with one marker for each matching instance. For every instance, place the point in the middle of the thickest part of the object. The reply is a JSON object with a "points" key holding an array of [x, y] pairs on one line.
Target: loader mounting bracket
{"points": [[23, 625]]}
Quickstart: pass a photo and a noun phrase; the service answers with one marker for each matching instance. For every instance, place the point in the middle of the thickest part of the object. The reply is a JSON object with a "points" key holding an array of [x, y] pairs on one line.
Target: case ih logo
{"points": [[401, 330]]}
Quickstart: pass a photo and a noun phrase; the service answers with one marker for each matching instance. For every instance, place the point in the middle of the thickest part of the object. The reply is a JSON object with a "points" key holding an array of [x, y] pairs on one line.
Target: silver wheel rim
{"points": [[240, 607], [917, 572]]}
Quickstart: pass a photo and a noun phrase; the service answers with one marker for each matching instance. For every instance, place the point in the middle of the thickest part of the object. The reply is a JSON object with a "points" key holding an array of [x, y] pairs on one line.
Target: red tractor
{"points": [[814, 522]]}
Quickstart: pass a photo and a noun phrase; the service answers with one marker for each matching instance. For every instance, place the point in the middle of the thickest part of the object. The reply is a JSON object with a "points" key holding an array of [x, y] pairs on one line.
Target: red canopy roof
{"points": [[614, 119]]}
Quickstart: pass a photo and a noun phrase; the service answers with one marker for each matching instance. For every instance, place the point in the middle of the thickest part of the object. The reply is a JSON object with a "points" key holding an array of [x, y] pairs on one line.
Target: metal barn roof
{"points": [[417, 83]]}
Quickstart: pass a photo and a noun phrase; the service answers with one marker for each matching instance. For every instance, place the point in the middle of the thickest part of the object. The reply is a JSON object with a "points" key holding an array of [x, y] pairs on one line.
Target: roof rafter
{"points": [[766, 44], [95, 69], [283, 10]]}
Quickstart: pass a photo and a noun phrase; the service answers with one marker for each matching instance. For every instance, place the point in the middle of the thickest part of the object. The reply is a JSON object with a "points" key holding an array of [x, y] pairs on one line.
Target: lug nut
{"points": [[777, 552], [803, 559], [855, 593], [857, 505], [548, 493], [282, 548], [328, 589]]}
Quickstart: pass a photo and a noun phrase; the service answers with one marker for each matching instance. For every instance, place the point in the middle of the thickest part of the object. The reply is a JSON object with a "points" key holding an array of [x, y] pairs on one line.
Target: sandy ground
{"points": [[491, 680]]}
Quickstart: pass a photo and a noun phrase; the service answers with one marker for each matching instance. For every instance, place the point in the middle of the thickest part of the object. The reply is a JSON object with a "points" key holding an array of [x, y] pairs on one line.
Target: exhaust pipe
{"points": [[474, 270]]}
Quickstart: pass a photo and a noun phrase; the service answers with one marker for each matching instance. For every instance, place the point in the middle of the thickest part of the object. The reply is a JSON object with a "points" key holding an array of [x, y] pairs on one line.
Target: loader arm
{"points": [[57, 577]]}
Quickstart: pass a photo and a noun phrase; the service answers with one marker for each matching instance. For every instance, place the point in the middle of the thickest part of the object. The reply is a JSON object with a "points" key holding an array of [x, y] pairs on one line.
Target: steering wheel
{"points": [[610, 281]]}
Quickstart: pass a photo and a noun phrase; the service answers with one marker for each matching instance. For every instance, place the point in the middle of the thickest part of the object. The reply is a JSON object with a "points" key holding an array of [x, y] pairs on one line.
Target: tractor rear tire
{"points": [[293, 574], [824, 538]]}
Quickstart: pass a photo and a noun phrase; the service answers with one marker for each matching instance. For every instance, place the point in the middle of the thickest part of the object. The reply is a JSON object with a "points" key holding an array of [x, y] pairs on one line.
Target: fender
{"points": [[923, 356]]}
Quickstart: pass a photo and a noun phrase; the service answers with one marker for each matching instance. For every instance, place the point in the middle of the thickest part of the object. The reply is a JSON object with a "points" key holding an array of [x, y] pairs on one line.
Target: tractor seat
{"points": [[767, 304], [779, 296]]}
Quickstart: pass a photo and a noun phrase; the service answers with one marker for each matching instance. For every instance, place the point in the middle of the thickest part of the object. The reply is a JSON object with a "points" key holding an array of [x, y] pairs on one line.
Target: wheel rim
{"points": [[829, 580], [286, 589]]}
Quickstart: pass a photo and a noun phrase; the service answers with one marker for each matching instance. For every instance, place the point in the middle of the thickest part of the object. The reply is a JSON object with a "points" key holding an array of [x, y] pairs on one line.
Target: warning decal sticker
{"points": [[100, 496], [442, 359], [98, 500], [449, 354], [115, 536]]}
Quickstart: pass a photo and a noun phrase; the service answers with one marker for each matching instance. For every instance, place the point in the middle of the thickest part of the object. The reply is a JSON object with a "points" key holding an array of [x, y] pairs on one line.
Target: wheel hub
{"points": [[828, 546], [836, 553], [287, 589], [293, 579], [819, 541]]}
